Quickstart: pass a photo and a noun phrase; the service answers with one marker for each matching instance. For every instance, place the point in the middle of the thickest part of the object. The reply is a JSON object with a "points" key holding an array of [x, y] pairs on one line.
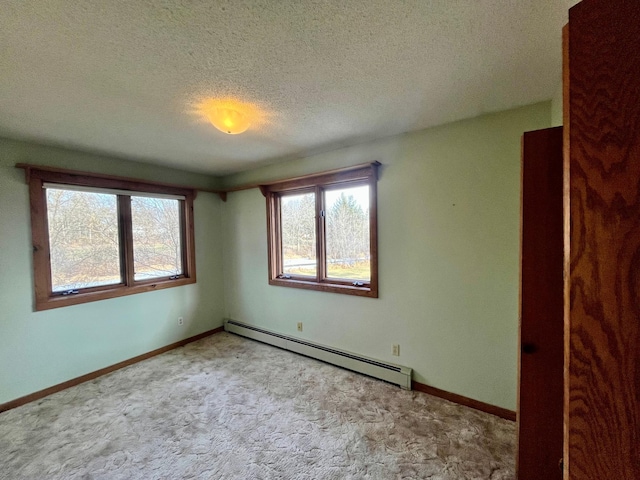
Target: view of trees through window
{"points": [[299, 234], [346, 237], [347, 233], [157, 249], [83, 239]]}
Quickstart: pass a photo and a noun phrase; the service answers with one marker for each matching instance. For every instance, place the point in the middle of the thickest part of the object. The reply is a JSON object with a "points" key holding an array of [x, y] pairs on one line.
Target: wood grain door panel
{"points": [[602, 293], [541, 307]]}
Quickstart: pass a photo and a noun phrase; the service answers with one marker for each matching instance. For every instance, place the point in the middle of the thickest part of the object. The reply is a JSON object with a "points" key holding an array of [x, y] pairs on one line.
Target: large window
{"points": [[97, 237], [322, 232]]}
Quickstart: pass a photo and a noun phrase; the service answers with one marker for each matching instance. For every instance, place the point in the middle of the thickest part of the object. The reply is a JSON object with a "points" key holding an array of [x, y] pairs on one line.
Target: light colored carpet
{"points": [[230, 408]]}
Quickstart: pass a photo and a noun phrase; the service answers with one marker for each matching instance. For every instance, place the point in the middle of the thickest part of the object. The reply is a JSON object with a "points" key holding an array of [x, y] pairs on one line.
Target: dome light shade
{"points": [[230, 115], [228, 120]]}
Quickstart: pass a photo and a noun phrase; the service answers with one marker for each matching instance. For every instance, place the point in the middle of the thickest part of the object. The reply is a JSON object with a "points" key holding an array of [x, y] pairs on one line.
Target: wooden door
{"points": [[541, 307], [602, 293]]}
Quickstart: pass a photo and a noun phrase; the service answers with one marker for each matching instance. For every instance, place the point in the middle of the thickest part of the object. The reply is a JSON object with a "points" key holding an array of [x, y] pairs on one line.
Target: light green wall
{"points": [[448, 202], [448, 216], [41, 349], [557, 118]]}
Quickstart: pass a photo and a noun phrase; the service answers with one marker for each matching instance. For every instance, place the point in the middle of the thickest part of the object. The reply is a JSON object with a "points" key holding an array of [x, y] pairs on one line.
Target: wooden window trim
{"points": [[44, 297], [318, 183]]}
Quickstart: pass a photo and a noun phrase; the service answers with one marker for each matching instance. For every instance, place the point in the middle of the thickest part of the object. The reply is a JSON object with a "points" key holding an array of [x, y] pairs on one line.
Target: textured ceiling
{"points": [[122, 76]]}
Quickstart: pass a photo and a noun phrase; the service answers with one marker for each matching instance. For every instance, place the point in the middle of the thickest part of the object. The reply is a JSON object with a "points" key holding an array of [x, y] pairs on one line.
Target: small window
{"points": [[298, 217], [348, 233], [157, 237], [322, 232], [83, 239], [101, 237]]}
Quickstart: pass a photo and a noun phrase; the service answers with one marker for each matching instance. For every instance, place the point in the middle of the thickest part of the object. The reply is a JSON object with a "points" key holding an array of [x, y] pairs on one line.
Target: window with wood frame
{"points": [[322, 231], [97, 237]]}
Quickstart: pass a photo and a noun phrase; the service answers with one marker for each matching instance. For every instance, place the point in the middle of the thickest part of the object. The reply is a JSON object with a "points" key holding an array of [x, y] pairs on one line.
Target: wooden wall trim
{"points": [[466, 401], [222, 193], [103, 371], [263, 186], [566, 207], [28, 168]]}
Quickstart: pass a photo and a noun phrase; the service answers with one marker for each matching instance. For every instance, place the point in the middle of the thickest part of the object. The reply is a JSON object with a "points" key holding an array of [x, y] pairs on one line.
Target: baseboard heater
{"points": [[388, 372]]}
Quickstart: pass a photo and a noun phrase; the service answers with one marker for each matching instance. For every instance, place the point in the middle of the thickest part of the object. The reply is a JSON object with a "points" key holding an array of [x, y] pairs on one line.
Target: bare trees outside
{"points": [[346, 233], [83, 239], [85, 245], [298, 213], [157, 242]]}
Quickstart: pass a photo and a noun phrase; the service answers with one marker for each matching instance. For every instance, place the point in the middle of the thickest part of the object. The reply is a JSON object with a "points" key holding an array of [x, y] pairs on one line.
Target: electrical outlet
{"points": [[396, 350], [299, 326], [180, 321]]}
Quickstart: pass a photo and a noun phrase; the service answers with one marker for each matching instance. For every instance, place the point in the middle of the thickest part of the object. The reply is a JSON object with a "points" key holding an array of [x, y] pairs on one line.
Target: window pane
{"points": [[83, 239], [299, 234], [157, 242], [347, 230]]}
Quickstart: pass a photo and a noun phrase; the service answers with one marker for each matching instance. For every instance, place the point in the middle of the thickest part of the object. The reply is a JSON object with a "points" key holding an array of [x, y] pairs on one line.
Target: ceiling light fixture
{"points": [[228, 120], [229, 115]]}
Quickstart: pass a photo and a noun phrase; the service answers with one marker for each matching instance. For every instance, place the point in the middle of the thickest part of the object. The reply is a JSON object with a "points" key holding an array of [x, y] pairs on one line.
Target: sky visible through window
{"points": [[360, 195]]}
